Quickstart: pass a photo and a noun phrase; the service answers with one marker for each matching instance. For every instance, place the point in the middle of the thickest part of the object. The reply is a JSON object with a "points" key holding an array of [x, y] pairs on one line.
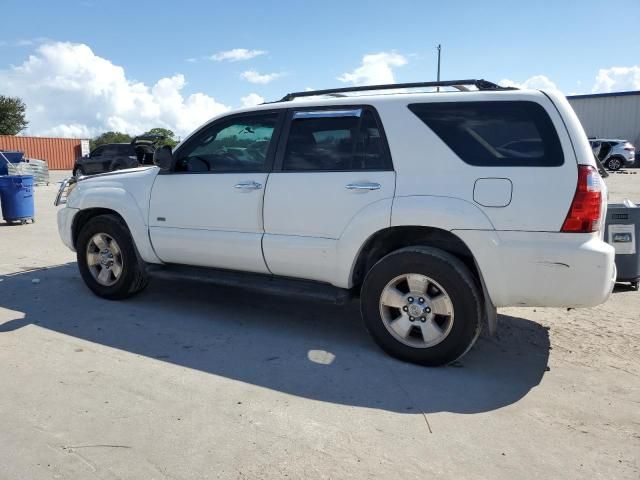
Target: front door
{"points": [[95, 162], [207, 211]]}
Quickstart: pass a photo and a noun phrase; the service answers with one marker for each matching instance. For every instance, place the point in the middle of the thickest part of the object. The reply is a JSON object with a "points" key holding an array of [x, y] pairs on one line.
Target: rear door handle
{"points": [[363, 186], [248, 185]]}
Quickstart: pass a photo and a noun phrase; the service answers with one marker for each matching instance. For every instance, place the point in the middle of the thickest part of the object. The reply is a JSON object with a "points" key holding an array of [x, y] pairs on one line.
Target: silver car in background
{"points": [[614, 153]]}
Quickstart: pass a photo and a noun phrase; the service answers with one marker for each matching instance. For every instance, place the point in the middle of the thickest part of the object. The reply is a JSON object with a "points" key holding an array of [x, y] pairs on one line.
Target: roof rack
{"points": [[461, 85]]}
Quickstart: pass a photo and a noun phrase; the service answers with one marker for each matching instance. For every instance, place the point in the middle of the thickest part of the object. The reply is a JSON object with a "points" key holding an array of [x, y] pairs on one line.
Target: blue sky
{"points": [[301, 44]]}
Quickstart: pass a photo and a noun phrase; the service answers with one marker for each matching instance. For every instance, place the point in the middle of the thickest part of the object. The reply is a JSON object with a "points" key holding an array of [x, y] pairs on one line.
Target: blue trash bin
{"points": [[16, 195], [11, 157]]}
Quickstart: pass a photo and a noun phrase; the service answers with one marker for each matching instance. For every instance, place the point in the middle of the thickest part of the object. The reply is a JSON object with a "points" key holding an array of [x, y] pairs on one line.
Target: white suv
{"points": [[433, 208]]}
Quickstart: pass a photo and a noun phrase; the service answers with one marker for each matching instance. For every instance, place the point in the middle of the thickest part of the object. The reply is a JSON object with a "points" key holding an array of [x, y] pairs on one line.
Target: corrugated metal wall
{"points": [[610, 116], [59, 153]]}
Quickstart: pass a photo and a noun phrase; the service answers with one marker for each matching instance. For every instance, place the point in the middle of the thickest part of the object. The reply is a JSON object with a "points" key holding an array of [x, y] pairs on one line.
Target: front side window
{"points": [[340, 140], [509, 133], [237, 145], [97, 152]]}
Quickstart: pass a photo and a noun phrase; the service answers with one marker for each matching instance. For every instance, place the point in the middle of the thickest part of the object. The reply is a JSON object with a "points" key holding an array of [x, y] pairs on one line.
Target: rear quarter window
{"points": [[125, 149], [501, 134]]}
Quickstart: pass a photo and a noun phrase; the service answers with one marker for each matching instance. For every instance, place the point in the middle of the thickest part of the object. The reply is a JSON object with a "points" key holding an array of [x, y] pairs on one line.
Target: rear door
{"points": [[331, 164], [124, 157]]}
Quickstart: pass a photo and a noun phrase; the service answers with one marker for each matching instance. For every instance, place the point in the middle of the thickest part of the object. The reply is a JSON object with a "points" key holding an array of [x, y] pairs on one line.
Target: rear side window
{"points": [[125, 149], [338, 140], [510, 133]]}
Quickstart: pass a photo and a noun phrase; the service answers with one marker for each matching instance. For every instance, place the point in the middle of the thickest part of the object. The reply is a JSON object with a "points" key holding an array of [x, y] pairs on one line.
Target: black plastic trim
{"points": [[480, 84]]}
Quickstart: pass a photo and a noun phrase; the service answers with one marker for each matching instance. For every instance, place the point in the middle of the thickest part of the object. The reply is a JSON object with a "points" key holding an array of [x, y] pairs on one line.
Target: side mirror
{"points": [[163, 157]]}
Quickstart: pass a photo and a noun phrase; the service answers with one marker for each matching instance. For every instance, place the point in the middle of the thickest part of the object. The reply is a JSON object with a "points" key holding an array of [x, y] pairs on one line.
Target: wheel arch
{"points": [[390, 239], [83, 216], [115, 201], [387, 240]]}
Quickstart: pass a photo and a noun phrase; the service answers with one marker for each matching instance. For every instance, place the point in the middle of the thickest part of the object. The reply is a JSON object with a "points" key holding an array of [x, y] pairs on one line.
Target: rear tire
{"points": [[451, 301], [78, 172], [614, 164], [132, 277]]}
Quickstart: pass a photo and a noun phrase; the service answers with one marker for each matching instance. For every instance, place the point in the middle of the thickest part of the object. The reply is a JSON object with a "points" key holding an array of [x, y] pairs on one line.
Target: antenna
{"points": [[439, 48]]}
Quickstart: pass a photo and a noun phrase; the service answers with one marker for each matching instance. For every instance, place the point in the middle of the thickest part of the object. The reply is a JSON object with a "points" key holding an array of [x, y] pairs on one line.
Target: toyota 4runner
{"points": [[433, 208]]}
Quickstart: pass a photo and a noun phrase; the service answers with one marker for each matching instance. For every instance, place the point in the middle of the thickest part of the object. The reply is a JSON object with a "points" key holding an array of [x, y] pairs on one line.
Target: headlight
{"points": [[65, 189]]}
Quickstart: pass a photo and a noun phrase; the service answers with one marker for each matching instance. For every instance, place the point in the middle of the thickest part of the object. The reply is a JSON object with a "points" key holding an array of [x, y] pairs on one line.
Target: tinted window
{"points": [[494, 133], [335, 141], [109, 150], [97, 152], [237, 145], [124, 149]]}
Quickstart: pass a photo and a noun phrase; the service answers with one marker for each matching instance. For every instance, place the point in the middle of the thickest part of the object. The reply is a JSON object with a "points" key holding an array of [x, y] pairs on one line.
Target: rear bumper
{"points": [[65, 224], [539, 269]]}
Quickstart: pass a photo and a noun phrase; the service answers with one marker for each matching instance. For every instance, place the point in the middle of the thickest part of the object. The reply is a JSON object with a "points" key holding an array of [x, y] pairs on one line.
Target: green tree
{"points": [[12, 115], [170, 137], [110, 137]]}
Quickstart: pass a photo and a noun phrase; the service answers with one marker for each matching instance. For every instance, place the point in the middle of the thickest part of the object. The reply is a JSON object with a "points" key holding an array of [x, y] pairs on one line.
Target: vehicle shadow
{"points": [[303, 348], [621, 287]]}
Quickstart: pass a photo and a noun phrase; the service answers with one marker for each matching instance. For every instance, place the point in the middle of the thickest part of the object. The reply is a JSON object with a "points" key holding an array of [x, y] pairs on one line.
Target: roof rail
{"points": [[480, 84]]}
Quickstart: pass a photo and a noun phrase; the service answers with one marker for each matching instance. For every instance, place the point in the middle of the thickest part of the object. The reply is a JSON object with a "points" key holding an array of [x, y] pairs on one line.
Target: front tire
{"points": [[422, 305], [107, 258]]}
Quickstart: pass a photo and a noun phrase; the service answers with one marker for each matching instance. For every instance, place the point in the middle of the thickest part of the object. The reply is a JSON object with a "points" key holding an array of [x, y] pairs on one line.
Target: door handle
{"points": [[248, 185], [363, 186]]}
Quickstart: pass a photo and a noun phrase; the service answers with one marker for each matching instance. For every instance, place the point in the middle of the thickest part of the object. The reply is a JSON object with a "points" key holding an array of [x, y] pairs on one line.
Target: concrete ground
{"points": [[193, 381]]}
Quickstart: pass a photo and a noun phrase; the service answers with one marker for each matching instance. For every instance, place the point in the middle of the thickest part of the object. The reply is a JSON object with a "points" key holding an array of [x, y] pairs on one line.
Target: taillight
{"points": [[584, 214]]}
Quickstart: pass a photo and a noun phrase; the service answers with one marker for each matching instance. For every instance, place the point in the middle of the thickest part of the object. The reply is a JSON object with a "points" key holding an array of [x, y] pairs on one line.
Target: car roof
{"points": [[381, 99], [389, 97]]}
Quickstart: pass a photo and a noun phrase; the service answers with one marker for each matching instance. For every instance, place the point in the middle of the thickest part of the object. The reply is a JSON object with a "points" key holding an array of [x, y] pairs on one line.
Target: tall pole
{"points": [[438, 48]]}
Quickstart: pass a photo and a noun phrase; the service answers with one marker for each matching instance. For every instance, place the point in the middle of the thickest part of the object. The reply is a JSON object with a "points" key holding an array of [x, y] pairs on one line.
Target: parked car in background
{"points": [[118, 156], [614, 153], [432, 208]]}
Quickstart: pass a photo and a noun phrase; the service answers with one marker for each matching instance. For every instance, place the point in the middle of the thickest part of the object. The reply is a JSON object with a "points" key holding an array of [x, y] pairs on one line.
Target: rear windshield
{"points": [[511, 133]]}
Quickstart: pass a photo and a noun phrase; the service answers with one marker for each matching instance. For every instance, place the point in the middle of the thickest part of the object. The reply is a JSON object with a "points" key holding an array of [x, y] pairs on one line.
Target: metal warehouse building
{"points": [[609, 115]]}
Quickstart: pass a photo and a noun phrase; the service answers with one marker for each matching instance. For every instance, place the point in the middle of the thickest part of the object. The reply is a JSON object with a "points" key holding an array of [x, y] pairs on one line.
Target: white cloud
{"points": [[24, 42], [537, 82], [255, 77], [376, 68], [70, 91], [617, 79], [252, 100], [192, 60], [236, 55], [614, 79]]}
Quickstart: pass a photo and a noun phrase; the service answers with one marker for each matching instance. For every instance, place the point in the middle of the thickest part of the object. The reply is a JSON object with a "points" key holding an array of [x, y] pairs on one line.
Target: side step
{"points": [[269, 284]]}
